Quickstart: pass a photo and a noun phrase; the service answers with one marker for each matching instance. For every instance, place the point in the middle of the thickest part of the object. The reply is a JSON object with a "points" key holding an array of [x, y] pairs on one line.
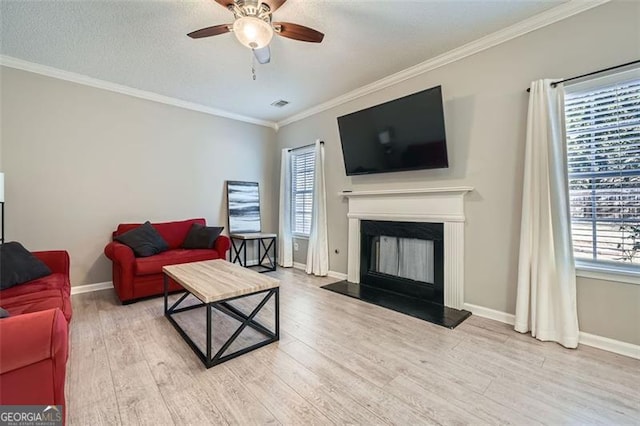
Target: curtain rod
{"points": [[555, 83], [305, 146]]}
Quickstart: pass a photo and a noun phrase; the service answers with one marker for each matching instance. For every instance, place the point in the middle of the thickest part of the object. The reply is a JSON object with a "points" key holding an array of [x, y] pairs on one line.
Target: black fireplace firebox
{"points": [[403, 257]]}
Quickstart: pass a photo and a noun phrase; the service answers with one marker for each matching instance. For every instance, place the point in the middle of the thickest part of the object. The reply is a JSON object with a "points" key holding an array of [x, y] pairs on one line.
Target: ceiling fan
{"points": [[253, 26]]}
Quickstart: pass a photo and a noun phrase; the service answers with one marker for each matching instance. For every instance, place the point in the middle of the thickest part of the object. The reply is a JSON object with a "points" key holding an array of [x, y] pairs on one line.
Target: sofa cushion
{"points": [[144, 240], [154, 264], [173, 233], [19, 265], [201, 237], [40, 301], [56, 281]]}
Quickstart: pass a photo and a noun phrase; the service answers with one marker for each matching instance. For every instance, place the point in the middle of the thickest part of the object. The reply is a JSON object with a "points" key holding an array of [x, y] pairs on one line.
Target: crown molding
{"points": [[533, 23], [541, 20], [11, 62]]}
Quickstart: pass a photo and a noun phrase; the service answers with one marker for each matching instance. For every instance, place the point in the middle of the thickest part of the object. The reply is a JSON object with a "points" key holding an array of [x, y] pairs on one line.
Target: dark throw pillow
{"points": [[18, 265], [4, 313], [145, 240], [201, 237]]}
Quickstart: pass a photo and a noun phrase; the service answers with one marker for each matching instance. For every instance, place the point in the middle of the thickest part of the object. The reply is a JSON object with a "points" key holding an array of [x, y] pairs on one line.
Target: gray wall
{"points": [[485, 104], [80, 160], [300, 255]]}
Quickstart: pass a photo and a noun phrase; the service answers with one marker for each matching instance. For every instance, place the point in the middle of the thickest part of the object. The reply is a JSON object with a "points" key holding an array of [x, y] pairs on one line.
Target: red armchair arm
{"points": [[120, 253], [222, 245], [33, 357], [56, 260], [123, 264]]}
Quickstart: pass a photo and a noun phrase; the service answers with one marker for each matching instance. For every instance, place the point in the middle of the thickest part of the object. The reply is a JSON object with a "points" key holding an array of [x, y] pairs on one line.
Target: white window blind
{"points": [[302, 191], [603, 149]]}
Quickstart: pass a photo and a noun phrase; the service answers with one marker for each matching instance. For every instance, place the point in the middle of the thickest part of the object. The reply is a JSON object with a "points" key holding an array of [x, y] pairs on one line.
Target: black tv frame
{"points": [[404, 169]]}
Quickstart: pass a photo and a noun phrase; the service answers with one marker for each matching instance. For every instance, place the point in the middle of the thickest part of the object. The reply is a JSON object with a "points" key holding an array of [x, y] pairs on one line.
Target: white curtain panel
{"points": [[318, 251], [546, 296], [285, 246]]}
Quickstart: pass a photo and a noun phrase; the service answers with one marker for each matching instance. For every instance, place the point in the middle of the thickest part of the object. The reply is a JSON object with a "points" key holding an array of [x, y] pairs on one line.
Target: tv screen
{"points": [[403, 134]]}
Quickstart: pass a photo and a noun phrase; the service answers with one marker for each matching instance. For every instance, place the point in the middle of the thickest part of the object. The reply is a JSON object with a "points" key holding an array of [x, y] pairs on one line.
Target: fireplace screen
{"points": [[409, 258], [403, 257]]}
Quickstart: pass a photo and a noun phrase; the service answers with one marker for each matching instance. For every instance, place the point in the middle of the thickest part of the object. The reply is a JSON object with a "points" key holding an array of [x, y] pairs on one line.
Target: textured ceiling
{"points": [[143, 44]]}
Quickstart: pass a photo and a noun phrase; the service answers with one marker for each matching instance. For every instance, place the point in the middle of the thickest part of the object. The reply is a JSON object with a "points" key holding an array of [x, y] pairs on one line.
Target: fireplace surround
{"points": [[435, 205], [440, 207]]}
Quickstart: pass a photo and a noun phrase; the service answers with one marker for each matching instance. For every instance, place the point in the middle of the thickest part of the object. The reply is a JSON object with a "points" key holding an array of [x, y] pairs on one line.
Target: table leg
{"points": [[207, 357], [243, 246], [208, 307], [165, 283], [267, 248], [277, 302], [235, 252], [275, 253]]}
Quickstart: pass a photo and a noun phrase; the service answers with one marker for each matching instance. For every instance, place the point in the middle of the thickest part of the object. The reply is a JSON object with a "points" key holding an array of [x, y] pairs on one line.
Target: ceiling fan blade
{"points": [[263, 55], [298, 32], [210, 31], [225, 3], [273, 4]]}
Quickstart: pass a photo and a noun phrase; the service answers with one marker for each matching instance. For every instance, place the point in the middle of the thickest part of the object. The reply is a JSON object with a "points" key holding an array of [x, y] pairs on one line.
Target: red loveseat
{"points": [[138, 277], [34, 339]]}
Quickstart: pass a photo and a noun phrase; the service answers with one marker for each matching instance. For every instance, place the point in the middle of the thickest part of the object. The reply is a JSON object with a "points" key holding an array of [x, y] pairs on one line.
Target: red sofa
{"points": [[138, 277], [34, 339]]}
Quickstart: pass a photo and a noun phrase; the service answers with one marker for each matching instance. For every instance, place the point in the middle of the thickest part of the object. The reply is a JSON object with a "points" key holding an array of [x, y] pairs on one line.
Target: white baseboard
{"points": [[332, 274], [338, 275], [483, 312], [611, 345], [88, 288], [588, 339]]}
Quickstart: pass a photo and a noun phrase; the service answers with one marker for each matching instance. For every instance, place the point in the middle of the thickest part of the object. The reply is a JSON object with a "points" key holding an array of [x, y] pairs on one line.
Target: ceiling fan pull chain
{"points": [[253, 65]]}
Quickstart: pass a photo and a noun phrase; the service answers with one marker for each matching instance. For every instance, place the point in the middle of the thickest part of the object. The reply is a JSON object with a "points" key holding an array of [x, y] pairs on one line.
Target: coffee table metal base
{"points": [[209, 359]]}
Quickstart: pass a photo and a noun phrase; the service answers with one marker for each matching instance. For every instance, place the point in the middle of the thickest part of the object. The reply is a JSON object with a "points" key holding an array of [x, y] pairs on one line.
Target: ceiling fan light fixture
{"points": [[253, 32]]}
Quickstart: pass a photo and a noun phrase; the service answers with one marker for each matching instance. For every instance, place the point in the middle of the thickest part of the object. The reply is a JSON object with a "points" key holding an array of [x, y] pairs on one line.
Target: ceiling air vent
{"points": [[280, 103]]}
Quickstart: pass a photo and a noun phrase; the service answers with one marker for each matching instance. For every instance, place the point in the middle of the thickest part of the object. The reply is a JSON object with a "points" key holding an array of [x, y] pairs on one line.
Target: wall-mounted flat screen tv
{"points": [[403, 134]]}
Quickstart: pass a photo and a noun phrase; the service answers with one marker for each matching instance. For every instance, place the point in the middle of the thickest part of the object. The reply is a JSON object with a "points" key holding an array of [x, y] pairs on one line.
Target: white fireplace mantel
{"points": [[392, 192], [439, 205]]}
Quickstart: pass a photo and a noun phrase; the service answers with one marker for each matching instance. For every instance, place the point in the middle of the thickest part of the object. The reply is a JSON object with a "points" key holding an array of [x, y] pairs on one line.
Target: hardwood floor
{"points": [[339, 361]]}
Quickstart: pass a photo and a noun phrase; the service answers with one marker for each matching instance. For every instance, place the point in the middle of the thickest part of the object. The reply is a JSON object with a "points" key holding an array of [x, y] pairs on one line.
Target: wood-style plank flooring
{"points": [[339, 361]]}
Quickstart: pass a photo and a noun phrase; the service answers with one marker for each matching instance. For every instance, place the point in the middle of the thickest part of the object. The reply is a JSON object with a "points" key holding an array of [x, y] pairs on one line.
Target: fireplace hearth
{"points": [[428, 311]]}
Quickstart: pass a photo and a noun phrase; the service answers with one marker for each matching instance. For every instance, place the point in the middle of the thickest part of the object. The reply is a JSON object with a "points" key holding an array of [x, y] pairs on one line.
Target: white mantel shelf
{"points": [[451, 190]]}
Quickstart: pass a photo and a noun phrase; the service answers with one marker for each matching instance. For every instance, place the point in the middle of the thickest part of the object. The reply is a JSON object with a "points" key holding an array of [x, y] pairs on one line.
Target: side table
{"points": [[267, 250]]}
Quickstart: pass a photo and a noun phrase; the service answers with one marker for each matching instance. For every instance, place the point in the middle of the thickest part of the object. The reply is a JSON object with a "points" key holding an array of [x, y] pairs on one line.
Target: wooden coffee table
{"points": [[215, 283]]}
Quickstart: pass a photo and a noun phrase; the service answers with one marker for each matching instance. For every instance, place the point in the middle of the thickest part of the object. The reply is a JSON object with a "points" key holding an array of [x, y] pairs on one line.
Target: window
{"points": [[603, 149], [302, 166]]}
